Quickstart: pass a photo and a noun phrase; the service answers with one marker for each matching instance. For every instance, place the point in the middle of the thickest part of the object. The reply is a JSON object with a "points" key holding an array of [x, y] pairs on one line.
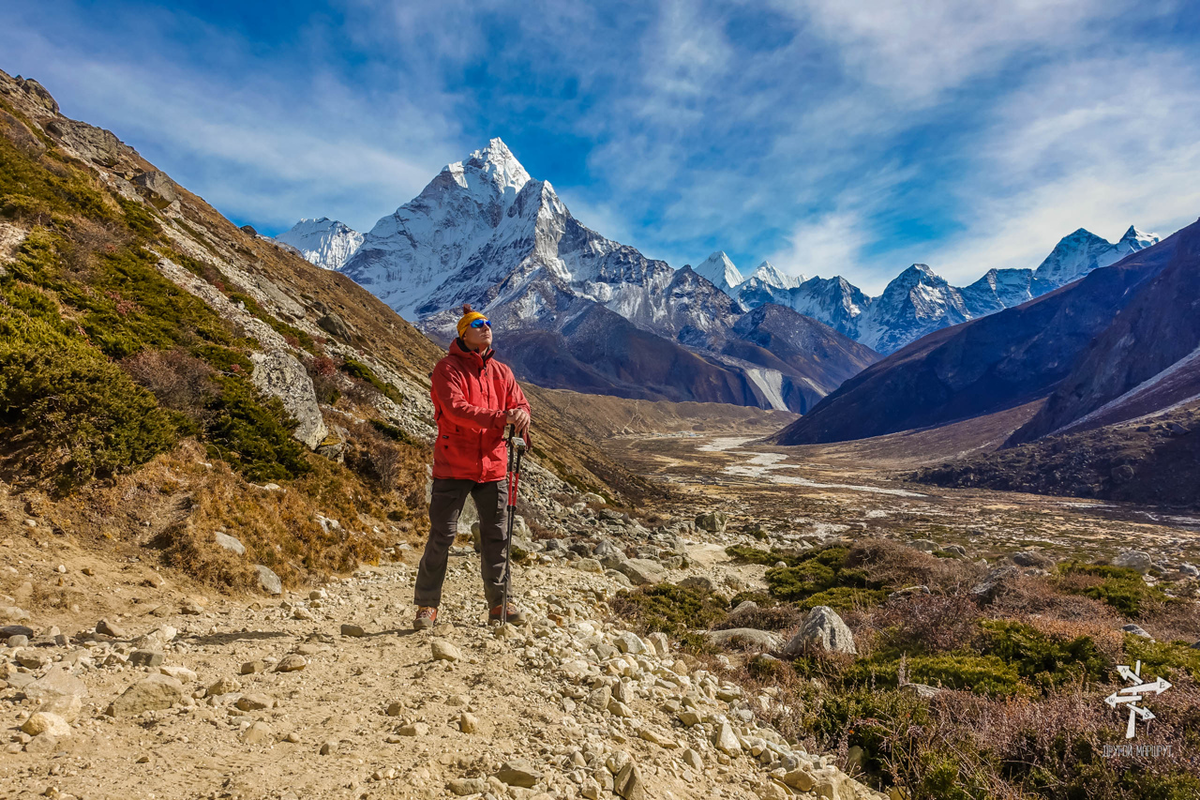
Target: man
{"points": [[474, 398]]}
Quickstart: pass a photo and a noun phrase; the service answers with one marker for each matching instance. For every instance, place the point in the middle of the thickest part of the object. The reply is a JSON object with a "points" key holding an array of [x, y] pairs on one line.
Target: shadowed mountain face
{"points": [[1147, 359], [985, 365]]}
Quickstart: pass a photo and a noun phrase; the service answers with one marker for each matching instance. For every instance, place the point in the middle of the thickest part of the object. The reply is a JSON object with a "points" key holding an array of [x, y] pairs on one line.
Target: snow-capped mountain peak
{"points": [[770, 275], [1083, 251], [496, 163], [1135, 240], [720, 271], [324, 242]]}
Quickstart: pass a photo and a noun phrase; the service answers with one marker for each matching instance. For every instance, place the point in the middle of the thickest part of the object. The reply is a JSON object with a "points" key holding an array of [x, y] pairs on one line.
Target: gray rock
{"points": [[1137, 630], [822, 629], [713, 521], [158, 188], [641, 571], [608, 554], [1032, 558], [589, 565], [922, 690], [701, 582], [745, 637], [94, 144], [334, 325], [956, 549], [154, 693], [1189, 569], [1134, 559], [630, 643], [280, 374], [354, 631], [268, 581], [145, 658], [16, 630], [997, 577], [229, 543], [924, 545]]}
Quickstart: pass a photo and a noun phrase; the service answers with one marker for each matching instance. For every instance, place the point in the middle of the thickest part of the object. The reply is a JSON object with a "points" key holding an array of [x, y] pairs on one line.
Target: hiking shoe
{"points": [[515, 615], [426, 617]]}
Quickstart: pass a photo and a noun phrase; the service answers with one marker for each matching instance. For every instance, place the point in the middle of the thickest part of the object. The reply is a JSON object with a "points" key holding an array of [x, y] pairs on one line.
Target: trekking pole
{"points": [[515, 451]]}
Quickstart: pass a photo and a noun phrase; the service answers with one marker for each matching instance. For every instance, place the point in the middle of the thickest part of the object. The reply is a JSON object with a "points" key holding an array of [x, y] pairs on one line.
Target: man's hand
{"points": [[520, 418]]}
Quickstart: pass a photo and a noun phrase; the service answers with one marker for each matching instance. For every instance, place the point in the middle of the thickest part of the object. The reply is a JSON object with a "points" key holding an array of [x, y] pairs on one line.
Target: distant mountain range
{"points": [[484, 231], [1120, 342]]}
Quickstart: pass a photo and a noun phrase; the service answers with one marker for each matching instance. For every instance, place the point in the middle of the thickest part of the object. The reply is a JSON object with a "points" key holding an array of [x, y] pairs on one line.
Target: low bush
{"points": [[669, 608], [1119, 587], [361, 372]]}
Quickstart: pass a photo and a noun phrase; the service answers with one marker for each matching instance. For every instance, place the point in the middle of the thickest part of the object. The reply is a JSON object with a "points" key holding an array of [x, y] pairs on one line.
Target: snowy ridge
{"points": [[324, 242], [718, 269]]}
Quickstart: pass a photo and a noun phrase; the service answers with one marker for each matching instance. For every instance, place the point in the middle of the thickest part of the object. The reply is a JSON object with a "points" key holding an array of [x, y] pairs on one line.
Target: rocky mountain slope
{"points": [[1147, 359], [578, 311], [138, 325], [985, 365]]}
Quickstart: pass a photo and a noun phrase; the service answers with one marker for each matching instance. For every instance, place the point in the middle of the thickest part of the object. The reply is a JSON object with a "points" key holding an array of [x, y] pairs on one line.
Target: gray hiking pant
{"points": [[449, 495]]}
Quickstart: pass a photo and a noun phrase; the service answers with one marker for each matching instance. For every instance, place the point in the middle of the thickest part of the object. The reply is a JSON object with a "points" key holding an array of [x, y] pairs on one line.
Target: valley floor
{"points": [[374, 713]]}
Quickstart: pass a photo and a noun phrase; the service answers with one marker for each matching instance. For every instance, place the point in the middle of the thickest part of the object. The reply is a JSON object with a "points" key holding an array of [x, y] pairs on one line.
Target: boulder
{"points": [[154, 693], [268, 581], [726, 741], [280, 374], [1134, 559], [40, 94], [1032, 558], [822, 629], [229, 543], [997, 577], [628, 782], [924, 545], [334, 325], [94, 144], [608, 554], [701, 582], [57, 682], [518, 773], [157, 188], [641, 571], [713, 521], [1137, 630], [65, 706], [745, 637]]}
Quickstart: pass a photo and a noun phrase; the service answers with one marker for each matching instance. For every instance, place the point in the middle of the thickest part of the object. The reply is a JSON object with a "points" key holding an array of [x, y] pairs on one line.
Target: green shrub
{"points": [[293, 335], [1120, 587], [823, 573], [844, 598], [1162, 658], [752, 555], [1046, 661], [985, 675], [669, 608], [32, 191], [360, 371], [69, 413], [253, 433], [396, 434]]}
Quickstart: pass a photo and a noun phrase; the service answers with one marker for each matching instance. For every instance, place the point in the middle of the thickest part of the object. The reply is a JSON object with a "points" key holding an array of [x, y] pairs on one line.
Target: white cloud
{"points": [[827, 246]]}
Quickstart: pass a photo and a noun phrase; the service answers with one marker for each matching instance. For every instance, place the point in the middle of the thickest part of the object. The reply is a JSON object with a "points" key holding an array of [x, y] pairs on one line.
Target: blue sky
{"points": [[830, 137]]}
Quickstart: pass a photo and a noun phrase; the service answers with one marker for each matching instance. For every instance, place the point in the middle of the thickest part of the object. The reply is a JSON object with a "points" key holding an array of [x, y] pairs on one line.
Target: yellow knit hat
{"points": [[469, 316]]}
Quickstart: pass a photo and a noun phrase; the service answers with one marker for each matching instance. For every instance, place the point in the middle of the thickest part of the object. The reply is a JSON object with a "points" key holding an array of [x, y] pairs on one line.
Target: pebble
{"points": [[445, 651], [291, 663]]}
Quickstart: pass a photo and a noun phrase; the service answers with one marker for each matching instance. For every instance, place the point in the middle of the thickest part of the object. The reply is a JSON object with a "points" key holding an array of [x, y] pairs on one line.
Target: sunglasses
{"points": [[479, 323]]}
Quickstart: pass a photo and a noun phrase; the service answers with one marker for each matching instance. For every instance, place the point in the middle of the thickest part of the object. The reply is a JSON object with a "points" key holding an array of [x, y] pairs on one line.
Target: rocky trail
{"points": [[329, 693]]}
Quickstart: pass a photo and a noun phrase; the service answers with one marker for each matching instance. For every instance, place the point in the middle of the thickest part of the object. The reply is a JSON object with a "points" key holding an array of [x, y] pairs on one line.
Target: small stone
{"points": [[353, 630], [630, 643], [291, 663], [726, 741], [110, 629], [1134, 559], [468, 723], [300, 612], [467, 786], [179, 673], [693, 760], [413, 729], [1137, 630], [155, 693], [268, 581], [445, 651], [65, 706], [628, 782], [688, 717], [395, 708], [146, 658], [800, 779], [822, 629], [589, 565], [251, 667], [254, 702], [224, 686], [619, 709], [42, 722], [257, 733], [292, 738], [328, 747], [518, 773], [229, 543]]}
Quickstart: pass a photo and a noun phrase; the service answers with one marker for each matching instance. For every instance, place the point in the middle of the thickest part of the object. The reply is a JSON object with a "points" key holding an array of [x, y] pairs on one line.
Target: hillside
{"points": [[141, 333]]}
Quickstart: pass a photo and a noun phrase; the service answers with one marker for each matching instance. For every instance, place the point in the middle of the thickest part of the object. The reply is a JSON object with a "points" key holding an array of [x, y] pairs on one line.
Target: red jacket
{"points": [[471, 394]]}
